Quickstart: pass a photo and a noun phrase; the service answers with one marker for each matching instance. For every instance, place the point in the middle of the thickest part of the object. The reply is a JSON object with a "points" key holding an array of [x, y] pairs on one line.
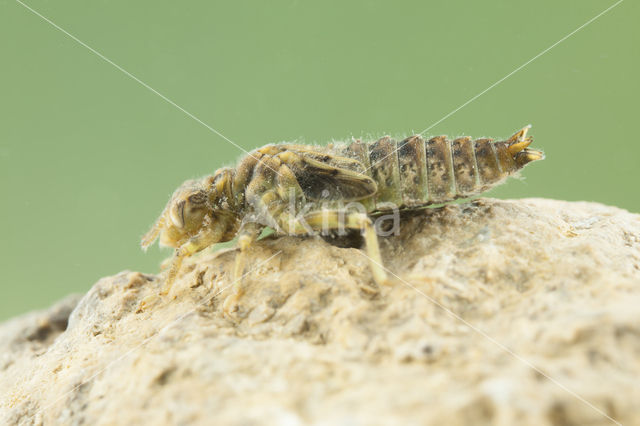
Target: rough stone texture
{"points": [[491, 289]]}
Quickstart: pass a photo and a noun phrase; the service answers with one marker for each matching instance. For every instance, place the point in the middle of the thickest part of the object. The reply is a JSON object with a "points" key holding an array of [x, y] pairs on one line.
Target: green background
{"points": [[88, 156]]}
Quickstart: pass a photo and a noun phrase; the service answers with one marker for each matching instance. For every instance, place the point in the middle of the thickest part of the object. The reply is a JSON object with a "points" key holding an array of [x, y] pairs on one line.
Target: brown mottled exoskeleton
{"points": [[301, 190]]}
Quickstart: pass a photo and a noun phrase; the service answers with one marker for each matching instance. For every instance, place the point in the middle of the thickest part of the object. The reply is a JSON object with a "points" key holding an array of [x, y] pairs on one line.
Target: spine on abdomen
{"points": [[415, 172]]}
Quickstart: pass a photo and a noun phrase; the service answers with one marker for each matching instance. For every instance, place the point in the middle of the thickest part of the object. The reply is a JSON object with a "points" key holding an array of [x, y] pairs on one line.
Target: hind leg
{"points": [[334, 219]]}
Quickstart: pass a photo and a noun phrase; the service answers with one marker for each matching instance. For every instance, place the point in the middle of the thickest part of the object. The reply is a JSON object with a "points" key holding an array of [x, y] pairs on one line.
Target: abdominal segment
{"points": [[417, 172]]}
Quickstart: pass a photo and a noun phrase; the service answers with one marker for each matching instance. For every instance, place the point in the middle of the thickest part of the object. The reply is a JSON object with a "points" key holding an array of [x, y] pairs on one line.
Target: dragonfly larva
{"points": [[302, 189]]}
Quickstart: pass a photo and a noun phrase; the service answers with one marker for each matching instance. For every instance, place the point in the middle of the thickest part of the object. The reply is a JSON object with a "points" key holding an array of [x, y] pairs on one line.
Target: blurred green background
{"points": [[88, 156]]}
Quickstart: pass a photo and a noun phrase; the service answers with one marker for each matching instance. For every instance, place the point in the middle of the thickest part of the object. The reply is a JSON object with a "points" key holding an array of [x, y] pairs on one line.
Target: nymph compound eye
{"points": [[177, 214], [198, 198]]}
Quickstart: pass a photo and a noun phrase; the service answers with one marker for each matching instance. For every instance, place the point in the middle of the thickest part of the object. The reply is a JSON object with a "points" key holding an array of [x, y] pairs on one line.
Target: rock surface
{"points": [[504, 312]]}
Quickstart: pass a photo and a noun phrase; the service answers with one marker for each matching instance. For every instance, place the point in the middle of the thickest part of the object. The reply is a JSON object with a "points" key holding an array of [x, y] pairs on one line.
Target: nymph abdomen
{"points": [[417, 172]]}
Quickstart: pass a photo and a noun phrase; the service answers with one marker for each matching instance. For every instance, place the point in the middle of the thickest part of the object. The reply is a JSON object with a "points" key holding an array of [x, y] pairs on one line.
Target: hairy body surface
{"points": [[302, 190]]}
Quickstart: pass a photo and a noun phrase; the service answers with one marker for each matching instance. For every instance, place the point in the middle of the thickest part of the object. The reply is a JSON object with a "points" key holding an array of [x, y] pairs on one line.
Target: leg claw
{"points": [[148, 301], [230, 304]]}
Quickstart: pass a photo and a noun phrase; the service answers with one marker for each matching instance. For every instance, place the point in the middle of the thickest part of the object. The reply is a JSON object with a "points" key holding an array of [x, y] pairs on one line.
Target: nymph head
{"points": [[196, 206]]}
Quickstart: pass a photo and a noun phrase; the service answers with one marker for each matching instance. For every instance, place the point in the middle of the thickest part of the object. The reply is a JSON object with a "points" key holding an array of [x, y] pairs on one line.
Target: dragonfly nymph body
{"points": [[302, 190]]}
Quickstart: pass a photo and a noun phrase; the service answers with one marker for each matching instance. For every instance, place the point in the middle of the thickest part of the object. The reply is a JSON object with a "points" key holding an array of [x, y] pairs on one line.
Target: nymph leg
{"points": [[249, 232], [334, 219]]}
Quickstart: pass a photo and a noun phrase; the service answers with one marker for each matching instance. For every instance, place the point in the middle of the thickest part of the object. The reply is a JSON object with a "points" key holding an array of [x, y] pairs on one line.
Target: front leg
{"points": [[211, 233], [200, 241]]}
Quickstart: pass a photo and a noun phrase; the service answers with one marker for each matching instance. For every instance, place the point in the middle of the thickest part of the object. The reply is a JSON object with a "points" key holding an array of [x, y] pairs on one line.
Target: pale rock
{"points": [[503, 312]]}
